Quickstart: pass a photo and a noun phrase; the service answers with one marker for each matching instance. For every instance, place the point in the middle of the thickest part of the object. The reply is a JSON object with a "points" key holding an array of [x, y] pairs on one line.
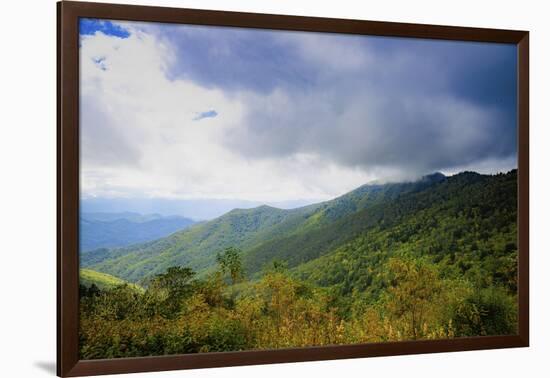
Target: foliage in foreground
{"points": [[181, 314]]}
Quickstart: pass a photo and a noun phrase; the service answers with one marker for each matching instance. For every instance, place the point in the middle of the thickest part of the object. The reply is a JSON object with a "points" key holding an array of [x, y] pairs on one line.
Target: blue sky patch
{"points": [[207, 114], [89, 26]]}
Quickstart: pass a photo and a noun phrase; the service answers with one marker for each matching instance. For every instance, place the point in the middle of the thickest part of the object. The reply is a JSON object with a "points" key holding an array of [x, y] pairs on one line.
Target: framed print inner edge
{"points": [[68, 14]]}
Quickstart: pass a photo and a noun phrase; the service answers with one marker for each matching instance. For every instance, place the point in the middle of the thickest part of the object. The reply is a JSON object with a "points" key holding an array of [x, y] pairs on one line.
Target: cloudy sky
{"points": [[194, 112]]}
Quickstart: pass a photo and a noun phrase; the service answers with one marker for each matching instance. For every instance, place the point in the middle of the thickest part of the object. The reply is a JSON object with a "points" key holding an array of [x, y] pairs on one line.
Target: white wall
{"points": [[27, 167]]}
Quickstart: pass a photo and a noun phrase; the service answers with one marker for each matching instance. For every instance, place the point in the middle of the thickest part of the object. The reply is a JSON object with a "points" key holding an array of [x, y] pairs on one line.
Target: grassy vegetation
{"points": [[103, 281]]}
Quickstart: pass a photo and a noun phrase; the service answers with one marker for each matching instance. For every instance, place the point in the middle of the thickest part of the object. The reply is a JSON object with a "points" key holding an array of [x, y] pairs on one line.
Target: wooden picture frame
{"points": [[68, 13]]}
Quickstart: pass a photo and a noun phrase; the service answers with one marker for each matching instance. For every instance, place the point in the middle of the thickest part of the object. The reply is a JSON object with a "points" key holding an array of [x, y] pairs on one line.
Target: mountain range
{"points": [[197, 209], [339, 241]]}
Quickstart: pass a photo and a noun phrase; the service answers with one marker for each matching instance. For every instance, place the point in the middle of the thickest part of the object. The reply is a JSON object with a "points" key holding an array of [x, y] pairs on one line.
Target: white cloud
{"points": [[139, 137]]}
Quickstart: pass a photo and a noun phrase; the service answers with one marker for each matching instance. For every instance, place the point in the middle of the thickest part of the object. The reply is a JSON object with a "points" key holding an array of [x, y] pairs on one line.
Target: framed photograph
{"points": [[238, 188]]}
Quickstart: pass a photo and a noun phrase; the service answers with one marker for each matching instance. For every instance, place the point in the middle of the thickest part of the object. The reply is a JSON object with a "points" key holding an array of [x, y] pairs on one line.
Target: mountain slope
{"points": [[467, 224], [107, 230], [196, 246], [264, 233], [334, 223]]}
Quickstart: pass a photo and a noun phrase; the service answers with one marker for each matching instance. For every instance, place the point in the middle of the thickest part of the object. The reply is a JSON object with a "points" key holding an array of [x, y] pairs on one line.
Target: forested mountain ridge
{"points": [[334, 223], [196, 246], [257, 230], [295, 236], [467, 225]]}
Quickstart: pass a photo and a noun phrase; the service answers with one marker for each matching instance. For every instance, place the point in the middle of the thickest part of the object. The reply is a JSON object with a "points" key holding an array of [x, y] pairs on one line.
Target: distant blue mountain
{"points": [[108, 230], [198, 209]]}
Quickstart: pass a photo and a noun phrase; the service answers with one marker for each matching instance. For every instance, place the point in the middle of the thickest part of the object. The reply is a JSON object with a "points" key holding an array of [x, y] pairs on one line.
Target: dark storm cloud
{"points": [[370, 102], [232, 58]]}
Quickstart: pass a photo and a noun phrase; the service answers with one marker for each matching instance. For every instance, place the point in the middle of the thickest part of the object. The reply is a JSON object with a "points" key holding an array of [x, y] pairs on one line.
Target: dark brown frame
{"points": [[68, 363]]}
